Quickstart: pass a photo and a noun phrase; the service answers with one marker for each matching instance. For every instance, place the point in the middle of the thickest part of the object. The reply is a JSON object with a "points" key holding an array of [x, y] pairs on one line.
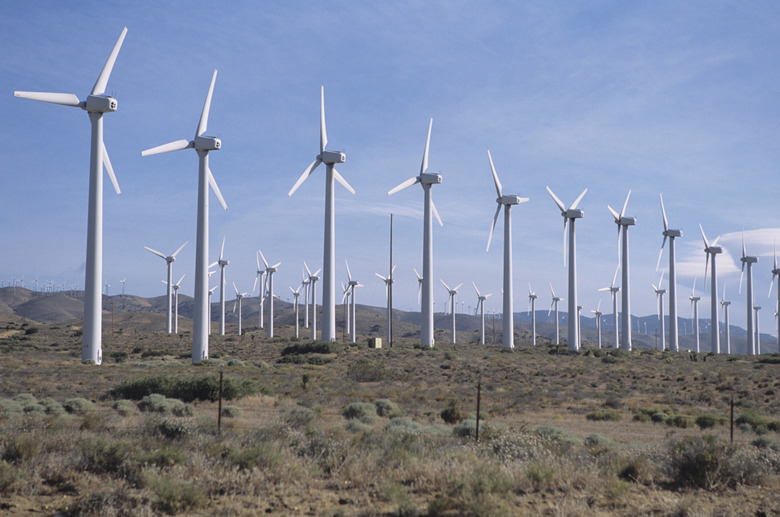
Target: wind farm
{"points": [[588, 103]]}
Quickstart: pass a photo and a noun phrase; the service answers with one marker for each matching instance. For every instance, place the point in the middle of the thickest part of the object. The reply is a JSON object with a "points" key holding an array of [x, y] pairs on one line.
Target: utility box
{"points": [[375, 342]]}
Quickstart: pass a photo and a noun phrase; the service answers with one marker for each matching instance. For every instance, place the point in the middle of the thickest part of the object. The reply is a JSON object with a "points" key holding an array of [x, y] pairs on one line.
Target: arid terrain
{"points": [[311, 428]]}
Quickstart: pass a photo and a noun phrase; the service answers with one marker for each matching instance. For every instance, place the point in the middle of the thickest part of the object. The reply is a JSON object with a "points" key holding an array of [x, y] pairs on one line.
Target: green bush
{"points": [[156, 403], [78, 406], [468, 428], [549, 432], [188, 389], [363, 411], [304, 359], [21, 448], [453, 413], [386, 407], [103, 457], [611, 416], [597, 440], [175, 429], [231, 411], [753, 419], [8, 476], [299, 417], [705, 462], [124, 407], [315, 347], [660, 418], [52, 406], [681, 421], [168, 456], [402, 425], [356, 426], [707, 421], [174, 496]]}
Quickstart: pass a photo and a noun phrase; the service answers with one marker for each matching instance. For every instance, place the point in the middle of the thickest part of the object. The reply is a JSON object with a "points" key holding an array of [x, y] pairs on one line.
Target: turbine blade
{"points": [[381, 277], [457, 287], [663, 213], [492, 228], [306, 174], [704, 237], [744, 251], [215, 188], [178, 145], [771, 285], [495, 175], [424, 165], [614, 214], [323, 130], [742, 274], [565, 220], [254, 285], [102, 81], [418, 274], [65, 99], [180, 279], [276, 266], [625, 205], [706, 269], [110, 169], [178, 250], [263, 257], [552, 291], [338, 177], [204, 116], [436, 213], [445, 285], [155, 252], [477, 290], [349, 274], [234, 287], [308, 271], [406, 184], [222, 250], [577, 201], [558, 202], [614, 277], [660, 254]]}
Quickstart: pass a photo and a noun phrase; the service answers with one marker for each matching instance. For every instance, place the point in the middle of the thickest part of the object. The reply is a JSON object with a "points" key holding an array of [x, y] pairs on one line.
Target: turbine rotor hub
{"points": [[331, 157], [99, 104]]}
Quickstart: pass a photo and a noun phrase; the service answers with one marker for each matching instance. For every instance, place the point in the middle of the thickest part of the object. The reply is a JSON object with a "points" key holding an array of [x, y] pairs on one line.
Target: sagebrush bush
{"points": [[167, 456], [388, 408], [612, 416], [78, 406], [707, 421], [157, 403], [706, 462], [175, 429], [188, 389], [124, 407], [402, 425], [175, 496], [231, 411], [356, 426], [362, 411], [8, 476], [298, 417], [468, 428], [453, 413]]}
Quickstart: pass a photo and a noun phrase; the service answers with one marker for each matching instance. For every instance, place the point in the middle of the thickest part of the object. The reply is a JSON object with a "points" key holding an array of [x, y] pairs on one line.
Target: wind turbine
{"points": [[419, 285], [123, 284], [329, 158], [270, 270], [222, 263], [613, 290], [598, 314], [776, 273], [507, 201], [532, 302], [202, 145], [239, 297], [711, 249], [347, 312], [695, 307], [388, 281], [261, 295], [757, 308], [313, 278], [569, 216], [481, 308], [352, 285], [211, 291], [96, 104], [176, 304], [555, 300], [451, 301], [169, 259], [623, 223], [725, 304], [296, 293], [751, 348], [305, 283], [671, 234], [425, 180], [659, 293]]}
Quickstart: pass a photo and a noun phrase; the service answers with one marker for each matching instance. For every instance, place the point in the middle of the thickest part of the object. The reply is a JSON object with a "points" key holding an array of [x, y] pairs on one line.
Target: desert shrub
{"points": [[468, 428], [388, 408], [52, 407], [304, 359], [549, 432], [707, 421], [34, 408], [705, 462], [235, 362], [167, 456], [597, 440], [402, 425], [231, 411], [8, 476], [356, 426], [157, 403], [681, 421], [78, 405], [614, 402], [25, 398], [10, 406], [124, 407], [660, 418], [762, 442], [612, 416], [175, 429], [540, 475], [299, 417], [367, 370], [30, 331], [187, 389], [315, 347], [102, 457], [453, 413], [118, 356], [149, 352], [362, 411], [745, 427], [609, 359], [754, 420], [175, 496], [21, 448]]}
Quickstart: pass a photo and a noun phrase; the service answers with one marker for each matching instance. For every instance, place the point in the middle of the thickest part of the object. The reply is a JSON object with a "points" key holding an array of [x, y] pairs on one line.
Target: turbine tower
{"points": [[749, 260], [695, 307], [176, 287], [202, 145], [425, 180], [711, 249], [725, 304], [239, 297], [623, 223], [481, 308], [222, 263], [270, 270], [388, 281], [296, 293], [305, 283], [757, 308], [96, 104], [569, 216], [451, 301], [613, 290], [169, 259], [598, 314], [313, 278], [671, 234], [261, 294], [776, 273], [659, 293], [555, 300], [329, 158], [123, 284], [532, 303], [508, 339], [351, 286]]}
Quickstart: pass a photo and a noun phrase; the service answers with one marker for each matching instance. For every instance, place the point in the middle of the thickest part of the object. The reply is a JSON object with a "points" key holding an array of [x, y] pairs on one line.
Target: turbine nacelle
{"points": [[331, 157], [672, 233], [206, 143], [99, 104], [223, 263], [713, 250], [573, 213], [511, 200], [430, 179], [749, 260], [627, 221]]}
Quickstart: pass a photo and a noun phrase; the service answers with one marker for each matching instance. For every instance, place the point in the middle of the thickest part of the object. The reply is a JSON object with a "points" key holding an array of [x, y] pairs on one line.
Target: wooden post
{"points": [[219, 415], [732, 419], [479, 396]]}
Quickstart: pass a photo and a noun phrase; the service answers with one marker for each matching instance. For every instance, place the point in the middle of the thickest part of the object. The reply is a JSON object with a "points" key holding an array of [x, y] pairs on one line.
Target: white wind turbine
{"points": [[532, 303], [123, 284], [345, 296], [425, 180], [202, 145], [671, 234], [419, 286], [569, 216], [711, 249], [749, 260], [313, 278], [329, 158], [623, 223], [725, 304], [613, 290], [757, 308], [261, 294], [481, 308], [388, 281], [659, 293], [695, 307], [555, 300], [169, 259], [96, 104], [352, 285], [296, 293], [507, 201], [776, 273], [176, 287], [211, 291], [222, 263], [270, 270], [305, 284], [598, 314], [451, 301], [239, 297]]}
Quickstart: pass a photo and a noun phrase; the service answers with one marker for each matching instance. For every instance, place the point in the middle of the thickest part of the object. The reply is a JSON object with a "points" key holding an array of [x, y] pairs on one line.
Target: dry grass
{"points": [[293, 452]]}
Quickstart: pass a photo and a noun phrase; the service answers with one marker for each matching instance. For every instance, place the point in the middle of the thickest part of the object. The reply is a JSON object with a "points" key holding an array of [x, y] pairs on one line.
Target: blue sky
{"points": [[672, 97]]}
